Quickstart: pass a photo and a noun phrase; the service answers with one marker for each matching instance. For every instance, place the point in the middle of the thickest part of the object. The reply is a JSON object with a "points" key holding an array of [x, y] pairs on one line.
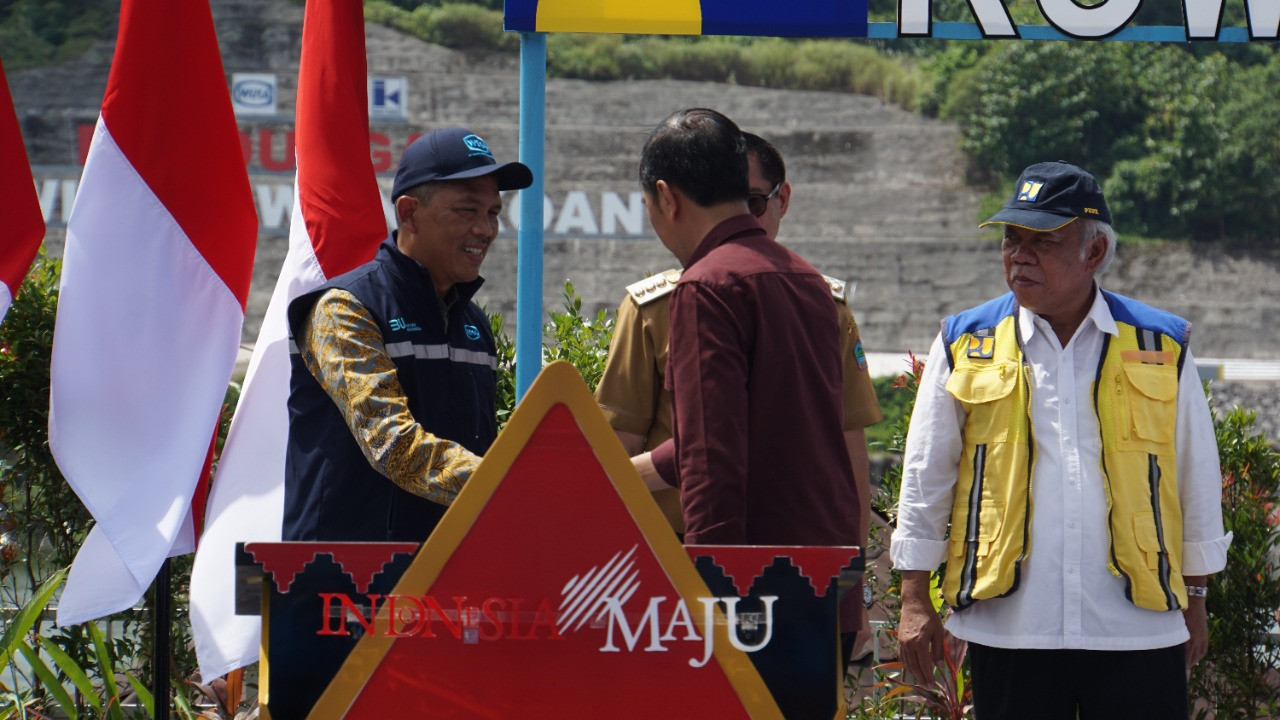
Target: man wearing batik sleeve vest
{"points": [[1061, 461]]}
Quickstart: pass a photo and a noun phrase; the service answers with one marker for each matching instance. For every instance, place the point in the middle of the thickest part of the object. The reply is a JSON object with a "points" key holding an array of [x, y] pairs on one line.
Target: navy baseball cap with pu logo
{"points": [[1050, 195], [455, 154]]}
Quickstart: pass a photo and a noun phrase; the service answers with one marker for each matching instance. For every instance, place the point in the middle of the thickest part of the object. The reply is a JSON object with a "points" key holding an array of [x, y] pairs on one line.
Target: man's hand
{"points": [[1197, 624], [920, 634]]}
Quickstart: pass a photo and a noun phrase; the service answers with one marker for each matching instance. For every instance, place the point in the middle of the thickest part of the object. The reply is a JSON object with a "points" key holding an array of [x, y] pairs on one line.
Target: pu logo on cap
{"points": [[476, 146], [1030, 190]]}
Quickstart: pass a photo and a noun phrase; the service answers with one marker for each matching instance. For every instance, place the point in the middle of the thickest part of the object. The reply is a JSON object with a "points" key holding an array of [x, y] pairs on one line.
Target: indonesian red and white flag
{"points": [[155, 275], [23, 229], [337, 224]]}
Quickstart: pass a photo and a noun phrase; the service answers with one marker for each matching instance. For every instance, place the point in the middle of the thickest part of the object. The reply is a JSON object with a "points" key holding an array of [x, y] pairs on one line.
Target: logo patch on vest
{"points": [[402, 324], [473, 332], [982, 346]]}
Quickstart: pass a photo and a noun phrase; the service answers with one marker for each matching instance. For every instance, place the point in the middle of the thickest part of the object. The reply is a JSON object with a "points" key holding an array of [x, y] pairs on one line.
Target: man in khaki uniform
{"points": [[632, 390]]}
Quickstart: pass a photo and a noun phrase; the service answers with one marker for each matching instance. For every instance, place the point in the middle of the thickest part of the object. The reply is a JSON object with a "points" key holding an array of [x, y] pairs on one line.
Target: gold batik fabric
{"points": [[343, 349]]}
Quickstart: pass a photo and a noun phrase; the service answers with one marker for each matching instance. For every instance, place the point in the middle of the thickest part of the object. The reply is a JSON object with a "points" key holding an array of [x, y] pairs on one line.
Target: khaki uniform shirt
{"points": [[632, 391]]}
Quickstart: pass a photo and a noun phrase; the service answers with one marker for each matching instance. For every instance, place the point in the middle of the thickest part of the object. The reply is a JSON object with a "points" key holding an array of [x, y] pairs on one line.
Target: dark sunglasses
{"points": [[758, 203]]}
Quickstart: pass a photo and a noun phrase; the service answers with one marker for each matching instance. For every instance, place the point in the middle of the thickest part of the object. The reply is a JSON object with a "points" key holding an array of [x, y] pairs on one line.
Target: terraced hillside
{"points": [[879, 197]]}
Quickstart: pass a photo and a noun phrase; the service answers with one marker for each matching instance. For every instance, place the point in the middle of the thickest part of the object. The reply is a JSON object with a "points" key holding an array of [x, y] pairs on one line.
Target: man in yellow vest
{"points": [[1061, 461]]}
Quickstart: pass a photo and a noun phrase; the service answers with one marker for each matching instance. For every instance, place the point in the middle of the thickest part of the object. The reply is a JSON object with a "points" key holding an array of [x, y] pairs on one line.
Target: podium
{"points": [[551, 588]]}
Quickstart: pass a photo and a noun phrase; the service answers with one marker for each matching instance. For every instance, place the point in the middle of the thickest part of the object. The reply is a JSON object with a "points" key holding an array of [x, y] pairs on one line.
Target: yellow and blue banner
{"points": [[799, 18]]}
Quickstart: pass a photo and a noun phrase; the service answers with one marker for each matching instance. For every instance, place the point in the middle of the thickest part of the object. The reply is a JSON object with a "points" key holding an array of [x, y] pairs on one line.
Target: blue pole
{"points": [[533, 119]]}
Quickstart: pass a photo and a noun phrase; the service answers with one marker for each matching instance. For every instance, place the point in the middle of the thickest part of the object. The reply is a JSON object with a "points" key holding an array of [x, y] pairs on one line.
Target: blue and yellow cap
{"points": [[1050, 195]]}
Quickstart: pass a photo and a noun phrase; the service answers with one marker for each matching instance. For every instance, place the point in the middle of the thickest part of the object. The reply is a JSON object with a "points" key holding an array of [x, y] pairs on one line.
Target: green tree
{"points": [[1171, 186], [1250, 152], [1027, 102], [39, 32]]}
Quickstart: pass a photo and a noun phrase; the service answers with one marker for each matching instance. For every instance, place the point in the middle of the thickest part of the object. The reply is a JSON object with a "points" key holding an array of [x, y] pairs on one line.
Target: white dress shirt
{"points": [[1066, 598]]}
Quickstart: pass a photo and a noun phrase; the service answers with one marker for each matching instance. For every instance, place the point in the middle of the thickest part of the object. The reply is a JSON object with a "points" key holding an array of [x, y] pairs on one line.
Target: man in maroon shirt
{"points": [[754, 359]]}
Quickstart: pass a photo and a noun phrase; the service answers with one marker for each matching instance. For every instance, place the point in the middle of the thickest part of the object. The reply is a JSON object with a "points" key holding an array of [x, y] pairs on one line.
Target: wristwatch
{"points": [[1198, 591]]}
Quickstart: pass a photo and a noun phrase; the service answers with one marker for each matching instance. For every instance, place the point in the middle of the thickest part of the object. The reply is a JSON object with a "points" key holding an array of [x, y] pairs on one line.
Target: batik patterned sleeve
{"points": [[342, 347]]}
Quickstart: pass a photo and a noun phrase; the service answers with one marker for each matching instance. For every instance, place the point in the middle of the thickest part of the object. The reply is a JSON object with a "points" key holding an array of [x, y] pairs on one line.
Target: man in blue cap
{"points": [[392, 391], [393, 385], [1061, 461]]}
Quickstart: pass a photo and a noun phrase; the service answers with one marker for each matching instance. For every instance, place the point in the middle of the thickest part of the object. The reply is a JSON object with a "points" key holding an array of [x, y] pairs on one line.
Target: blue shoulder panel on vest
{"points": [[1141, 315], [987, 315]]}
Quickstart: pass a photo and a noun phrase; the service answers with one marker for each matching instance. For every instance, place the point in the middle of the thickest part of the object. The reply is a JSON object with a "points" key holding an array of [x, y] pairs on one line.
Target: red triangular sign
{"points": [[552, 588]]}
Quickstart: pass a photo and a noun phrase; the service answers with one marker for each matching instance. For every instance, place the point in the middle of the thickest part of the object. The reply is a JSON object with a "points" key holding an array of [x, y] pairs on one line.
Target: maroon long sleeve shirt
{"points": [[754, 369]]}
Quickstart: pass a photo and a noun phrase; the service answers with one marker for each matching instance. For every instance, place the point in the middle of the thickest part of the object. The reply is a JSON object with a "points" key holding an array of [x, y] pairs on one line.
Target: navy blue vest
{"points": [[447, 367]]}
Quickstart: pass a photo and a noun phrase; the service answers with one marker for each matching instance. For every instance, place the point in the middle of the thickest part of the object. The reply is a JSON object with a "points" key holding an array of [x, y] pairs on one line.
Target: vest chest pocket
{"points": [[1149, 398], [985, 392]]}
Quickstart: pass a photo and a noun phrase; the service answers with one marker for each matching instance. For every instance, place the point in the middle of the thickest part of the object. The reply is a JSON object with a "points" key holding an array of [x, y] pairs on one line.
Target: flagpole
{"points": [[529, 245], [160, 613]]}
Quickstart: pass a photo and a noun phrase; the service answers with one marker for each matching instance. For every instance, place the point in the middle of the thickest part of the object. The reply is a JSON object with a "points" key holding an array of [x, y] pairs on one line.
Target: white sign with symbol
{"points": [[388, 98]]}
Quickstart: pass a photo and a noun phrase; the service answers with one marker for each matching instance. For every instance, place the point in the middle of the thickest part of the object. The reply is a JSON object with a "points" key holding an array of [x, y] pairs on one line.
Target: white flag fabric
{"points": [[337, 224], [156, 271], [23, 229]]}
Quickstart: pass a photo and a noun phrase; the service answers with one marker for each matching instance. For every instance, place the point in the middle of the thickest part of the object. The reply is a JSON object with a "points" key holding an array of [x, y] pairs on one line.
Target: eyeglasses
{"points": [[758, 203]]}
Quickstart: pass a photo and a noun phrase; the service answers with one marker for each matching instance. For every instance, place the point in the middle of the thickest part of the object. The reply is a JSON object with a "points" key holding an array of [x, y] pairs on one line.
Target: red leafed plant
{"points": [[948, 696]]}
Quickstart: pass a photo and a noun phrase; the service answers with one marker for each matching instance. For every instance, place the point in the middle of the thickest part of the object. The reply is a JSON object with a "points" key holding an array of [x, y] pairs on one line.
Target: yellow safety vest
{"points": [[1135, 398]]}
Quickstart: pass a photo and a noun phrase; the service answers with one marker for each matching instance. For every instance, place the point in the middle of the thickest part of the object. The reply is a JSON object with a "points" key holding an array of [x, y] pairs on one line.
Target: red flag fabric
{"points": [[19, 204], [155, 277], [336, 225]]}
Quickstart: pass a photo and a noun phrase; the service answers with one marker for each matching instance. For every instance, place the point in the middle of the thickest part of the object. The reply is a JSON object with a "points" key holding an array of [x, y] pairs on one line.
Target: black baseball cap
{"points": [[455, 154], [1050, 195]]}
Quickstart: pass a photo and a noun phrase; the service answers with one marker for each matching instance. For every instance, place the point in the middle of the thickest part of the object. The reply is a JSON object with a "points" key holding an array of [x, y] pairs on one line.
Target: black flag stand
{"points": [[160, 615]]}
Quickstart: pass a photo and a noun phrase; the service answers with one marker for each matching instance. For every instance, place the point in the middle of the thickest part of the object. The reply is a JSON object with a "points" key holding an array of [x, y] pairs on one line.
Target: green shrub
{"points": [[586, 57], [567, 335], [463, 26], [41, 32], [42, 522], [1235, 678], [470, 27]]}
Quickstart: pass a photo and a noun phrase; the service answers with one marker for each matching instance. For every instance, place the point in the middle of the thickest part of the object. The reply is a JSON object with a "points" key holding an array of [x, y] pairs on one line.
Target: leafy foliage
{"points": [[1236, 677], [582, 341], [897, 402], [949, 696], [567, 335], [38, 32], [467, 26], [42, 522], [1176, 137]]}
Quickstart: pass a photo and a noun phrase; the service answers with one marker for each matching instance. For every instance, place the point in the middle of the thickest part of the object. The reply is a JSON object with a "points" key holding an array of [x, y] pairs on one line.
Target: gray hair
{"points": [[1088, 229]]}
